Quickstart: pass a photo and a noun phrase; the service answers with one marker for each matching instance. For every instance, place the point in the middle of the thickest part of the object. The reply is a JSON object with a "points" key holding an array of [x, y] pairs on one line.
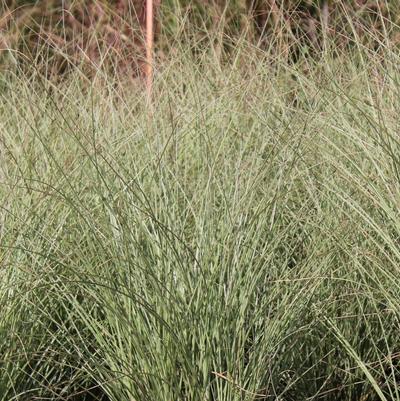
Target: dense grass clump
{"points": [[237, 241]]}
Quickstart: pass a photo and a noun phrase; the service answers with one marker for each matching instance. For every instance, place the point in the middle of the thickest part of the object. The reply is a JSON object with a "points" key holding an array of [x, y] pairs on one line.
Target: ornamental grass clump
{"points": [[240, 244]]}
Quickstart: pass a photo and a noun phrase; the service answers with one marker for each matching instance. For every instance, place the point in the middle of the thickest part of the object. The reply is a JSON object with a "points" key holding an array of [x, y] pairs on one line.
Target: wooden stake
{"points": [[149, 48]]}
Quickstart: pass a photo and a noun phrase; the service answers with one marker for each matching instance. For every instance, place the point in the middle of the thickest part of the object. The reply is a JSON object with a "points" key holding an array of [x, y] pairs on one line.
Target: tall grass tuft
{"points": [[243, 244]]}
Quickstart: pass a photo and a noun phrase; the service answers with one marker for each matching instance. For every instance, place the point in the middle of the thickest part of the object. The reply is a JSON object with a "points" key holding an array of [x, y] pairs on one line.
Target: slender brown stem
{"points": [[149, 48]]}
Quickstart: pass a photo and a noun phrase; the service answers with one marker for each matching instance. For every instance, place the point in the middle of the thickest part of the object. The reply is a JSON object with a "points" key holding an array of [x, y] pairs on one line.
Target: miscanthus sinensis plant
{"points": [[239, 242]]}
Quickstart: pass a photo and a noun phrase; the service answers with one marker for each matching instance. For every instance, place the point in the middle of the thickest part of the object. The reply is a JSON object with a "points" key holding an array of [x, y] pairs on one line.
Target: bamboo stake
{"points": [[149, 48]]}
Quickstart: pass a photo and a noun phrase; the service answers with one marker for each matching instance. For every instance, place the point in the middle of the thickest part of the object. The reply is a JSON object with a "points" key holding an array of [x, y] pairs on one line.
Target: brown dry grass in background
{"points": [[87, 33], [96, 33]]}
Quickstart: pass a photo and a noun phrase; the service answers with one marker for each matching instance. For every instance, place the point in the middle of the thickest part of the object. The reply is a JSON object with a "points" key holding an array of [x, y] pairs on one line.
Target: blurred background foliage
{"points": [[92, 33]]}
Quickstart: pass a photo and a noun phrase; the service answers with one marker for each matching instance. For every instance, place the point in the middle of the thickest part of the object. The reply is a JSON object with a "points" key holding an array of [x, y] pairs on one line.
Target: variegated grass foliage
{"points": [[240, 243]]}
